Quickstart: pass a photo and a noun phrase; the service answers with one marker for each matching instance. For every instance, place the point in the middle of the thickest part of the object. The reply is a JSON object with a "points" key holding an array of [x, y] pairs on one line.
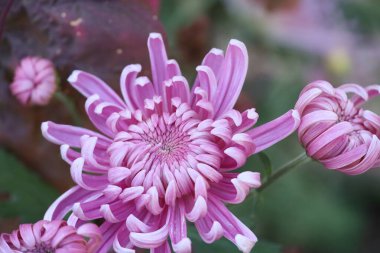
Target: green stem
{"points": [[70, 106], [297, 161]]}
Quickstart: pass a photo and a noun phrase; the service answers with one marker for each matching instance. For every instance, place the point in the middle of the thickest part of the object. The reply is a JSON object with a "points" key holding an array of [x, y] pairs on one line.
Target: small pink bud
{"points": [[336, 130], [34, 81]]}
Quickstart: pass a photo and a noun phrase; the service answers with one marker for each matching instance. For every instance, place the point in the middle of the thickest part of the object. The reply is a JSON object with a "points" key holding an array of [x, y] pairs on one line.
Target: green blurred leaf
{"points": [[266, 247], [27, 196], [267, 169], [175, 14]]}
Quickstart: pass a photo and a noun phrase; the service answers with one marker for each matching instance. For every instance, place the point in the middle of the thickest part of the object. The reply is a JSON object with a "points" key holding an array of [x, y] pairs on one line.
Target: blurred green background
{"points": [[290, 43]]}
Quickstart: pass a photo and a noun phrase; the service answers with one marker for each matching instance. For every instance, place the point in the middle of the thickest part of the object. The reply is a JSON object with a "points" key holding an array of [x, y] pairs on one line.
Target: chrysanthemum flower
{"points": [[55, 236], [166, 153], [336, 130], [34, 81]]}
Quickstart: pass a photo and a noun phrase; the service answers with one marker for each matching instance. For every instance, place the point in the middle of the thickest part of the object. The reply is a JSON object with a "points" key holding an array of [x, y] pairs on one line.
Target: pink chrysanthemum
{"points": [[34, 81], [166, 153], [48, 237], [336, 130]]}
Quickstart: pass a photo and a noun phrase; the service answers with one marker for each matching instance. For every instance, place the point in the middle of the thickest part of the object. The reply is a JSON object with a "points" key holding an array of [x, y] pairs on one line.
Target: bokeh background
{"points": [[290, 43]]}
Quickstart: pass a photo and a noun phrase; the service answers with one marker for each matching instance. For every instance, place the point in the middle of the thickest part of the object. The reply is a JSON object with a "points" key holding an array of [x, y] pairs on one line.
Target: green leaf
{"points": [[26, 195], [267, 170], [266, 247]]}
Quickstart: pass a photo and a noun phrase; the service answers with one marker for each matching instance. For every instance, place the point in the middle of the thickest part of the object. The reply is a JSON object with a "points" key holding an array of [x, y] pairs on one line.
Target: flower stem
{"points": [[70, 106], [297, 161]]}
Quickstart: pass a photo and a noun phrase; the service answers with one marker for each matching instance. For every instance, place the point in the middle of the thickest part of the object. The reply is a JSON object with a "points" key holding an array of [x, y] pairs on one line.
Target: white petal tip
{"points": [[238, 43], [244, 243], [183, 246], [91, 100], [216, 51], [74, 76], [44, 126], [252, 114], [132, 68], [155, 36]]}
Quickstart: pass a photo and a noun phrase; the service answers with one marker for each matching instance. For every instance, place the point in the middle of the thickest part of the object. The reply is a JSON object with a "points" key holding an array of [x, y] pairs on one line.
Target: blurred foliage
{"points": [[363, 15], [25, 195]]}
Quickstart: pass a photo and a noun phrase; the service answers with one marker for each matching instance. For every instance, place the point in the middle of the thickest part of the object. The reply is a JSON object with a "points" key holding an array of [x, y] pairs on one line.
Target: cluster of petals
{"points": [[166, 153], [34, 81], [51, 236], [336, 130]]}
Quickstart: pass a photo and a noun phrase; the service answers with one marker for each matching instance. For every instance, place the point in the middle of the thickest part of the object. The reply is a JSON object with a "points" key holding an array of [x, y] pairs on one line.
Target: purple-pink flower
{"points": [[336, 130], [55, 236], [166, 153], [34, 81]]}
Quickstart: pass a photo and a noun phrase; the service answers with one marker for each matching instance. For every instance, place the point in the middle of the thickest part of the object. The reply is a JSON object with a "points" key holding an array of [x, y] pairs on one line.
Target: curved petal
{"points": [[88, 85], [234, 230], [231, 77], [272, 132], [178, 230], [64, 203], [66, 134], [158, 61]]}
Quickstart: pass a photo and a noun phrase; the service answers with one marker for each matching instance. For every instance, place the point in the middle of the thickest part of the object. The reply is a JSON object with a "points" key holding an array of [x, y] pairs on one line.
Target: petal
{"points": [[214, 60], [98, 112], [372, 91], [127, 81], [66, 134], [272, 132], [346, 158], [234, 230], [88, 85], [158, 61], [314, 117], [164, 248], [26, 233], [63, 204], [209, 230], [178, 230], [206, 80], [92, 232], [368, 161], [328, 136], [232, 76], [356, 89]]}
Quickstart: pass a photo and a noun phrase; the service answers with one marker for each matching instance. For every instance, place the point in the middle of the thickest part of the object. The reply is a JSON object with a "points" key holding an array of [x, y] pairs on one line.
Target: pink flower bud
{"points": [[336, 130], [34, 81]]}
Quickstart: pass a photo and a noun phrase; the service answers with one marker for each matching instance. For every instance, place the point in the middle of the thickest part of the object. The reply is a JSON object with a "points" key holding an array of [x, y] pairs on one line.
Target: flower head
{"points": [[34, 81], [55, 236], [166, 153], [336, 130]]}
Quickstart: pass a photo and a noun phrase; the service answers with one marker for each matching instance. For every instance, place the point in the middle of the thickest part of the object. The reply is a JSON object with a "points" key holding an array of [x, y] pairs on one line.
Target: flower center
{"points": [[166, 148], [167, 140], [41, 248]]}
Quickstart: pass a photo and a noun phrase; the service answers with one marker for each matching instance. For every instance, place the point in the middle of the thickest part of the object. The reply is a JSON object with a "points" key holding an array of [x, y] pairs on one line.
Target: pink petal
{"points": [[232, 76], [89, 85], [66, 134], [158, 61], [272, 132]]}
